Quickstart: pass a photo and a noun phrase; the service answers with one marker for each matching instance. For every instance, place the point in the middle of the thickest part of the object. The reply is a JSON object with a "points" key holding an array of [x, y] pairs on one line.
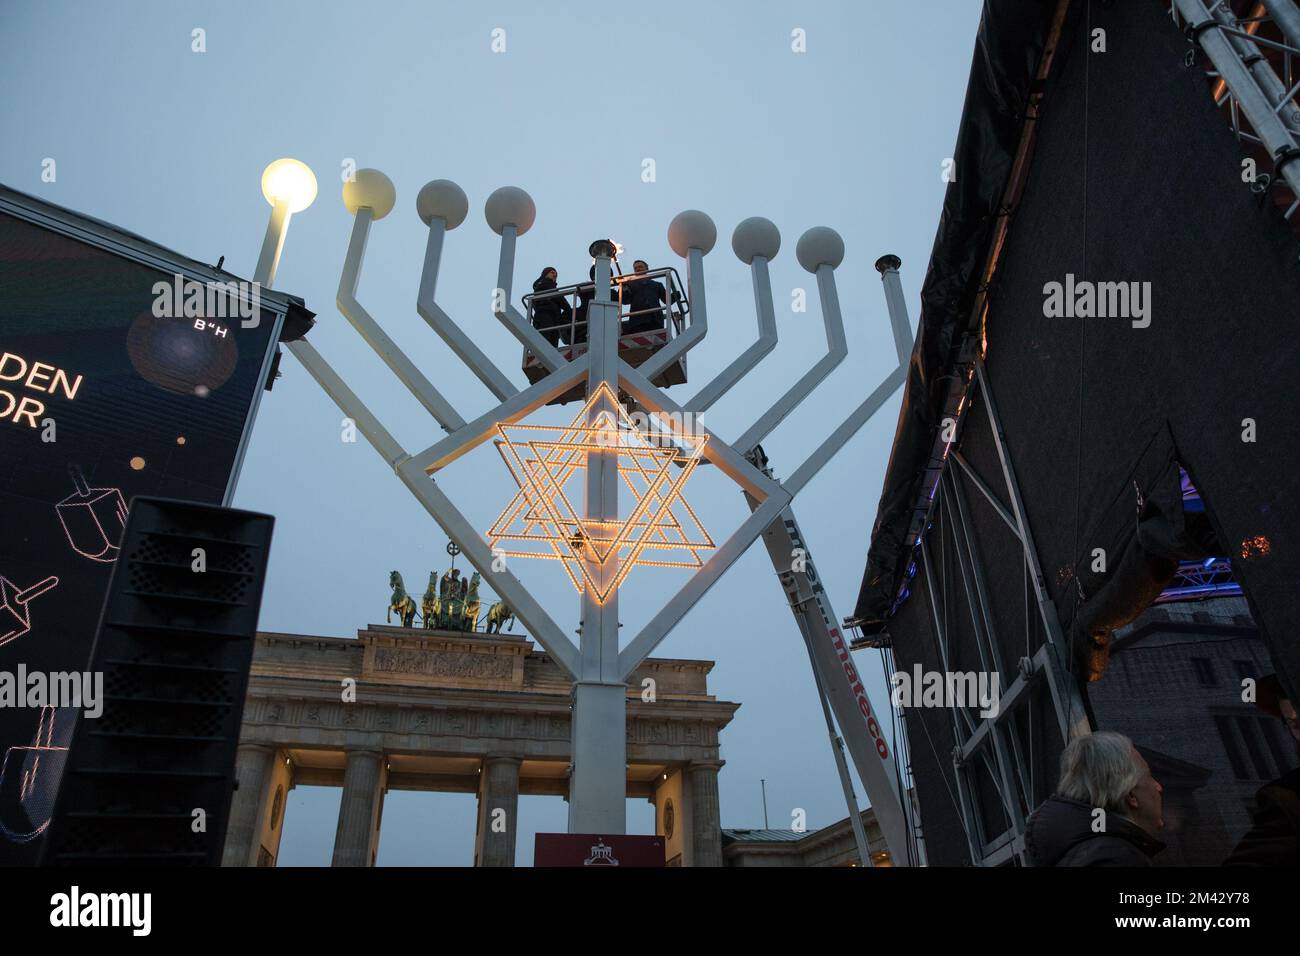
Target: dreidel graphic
{"points": [[15, 615], [93, 519], [29, 779]]}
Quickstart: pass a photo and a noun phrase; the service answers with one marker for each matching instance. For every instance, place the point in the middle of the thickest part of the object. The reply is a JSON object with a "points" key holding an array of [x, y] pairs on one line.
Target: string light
{"points": [[541, 513]]}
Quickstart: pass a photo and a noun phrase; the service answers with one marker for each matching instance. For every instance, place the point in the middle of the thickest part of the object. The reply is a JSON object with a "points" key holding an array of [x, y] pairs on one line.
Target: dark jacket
{"points": [[643, 296], [586, 294], [550, 315], [1060, 834], [1274, 837]]}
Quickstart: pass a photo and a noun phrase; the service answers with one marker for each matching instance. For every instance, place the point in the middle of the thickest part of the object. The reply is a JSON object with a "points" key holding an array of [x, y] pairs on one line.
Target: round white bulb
{"points": [[689, 230], [442, 199], [756, 236], [510, 206], [370, 189], [290, 181], [819, 246]]}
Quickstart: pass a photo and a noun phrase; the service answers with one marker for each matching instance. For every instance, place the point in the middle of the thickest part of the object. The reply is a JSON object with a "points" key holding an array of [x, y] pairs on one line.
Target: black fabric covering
{"points": [[1083, 400], [930, 737], [1094, 408], [1016, 631], [1166, 205], [1007, 52]]}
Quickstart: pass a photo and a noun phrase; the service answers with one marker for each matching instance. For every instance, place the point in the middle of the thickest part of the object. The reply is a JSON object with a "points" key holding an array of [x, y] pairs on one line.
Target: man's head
{"points": [[640, 266], [1105, 770], [550, 273]]}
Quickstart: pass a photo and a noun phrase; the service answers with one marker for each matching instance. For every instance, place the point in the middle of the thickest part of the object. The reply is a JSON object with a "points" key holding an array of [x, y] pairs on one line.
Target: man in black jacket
{"points": [[1105, 812], [643, 299]]}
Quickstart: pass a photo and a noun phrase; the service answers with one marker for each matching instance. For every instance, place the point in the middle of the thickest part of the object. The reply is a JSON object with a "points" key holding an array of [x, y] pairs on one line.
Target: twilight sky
{"points": [[851, 134]]}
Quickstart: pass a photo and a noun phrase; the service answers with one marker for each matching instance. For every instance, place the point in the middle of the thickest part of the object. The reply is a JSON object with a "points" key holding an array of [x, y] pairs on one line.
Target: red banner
{"points": [[597, 850]]}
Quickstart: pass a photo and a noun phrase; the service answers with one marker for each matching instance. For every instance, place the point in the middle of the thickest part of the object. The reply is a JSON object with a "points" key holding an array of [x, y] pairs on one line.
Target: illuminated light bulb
{"points": [[137, 463], [291, 182]]}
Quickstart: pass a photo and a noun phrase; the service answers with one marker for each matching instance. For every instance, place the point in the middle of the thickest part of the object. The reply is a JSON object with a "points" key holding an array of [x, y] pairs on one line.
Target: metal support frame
{"points": [[652, 367], [1252, 87], [839, 685], [836, 350], [451, 333], [744, 363], [993, 742], [406, 371]]}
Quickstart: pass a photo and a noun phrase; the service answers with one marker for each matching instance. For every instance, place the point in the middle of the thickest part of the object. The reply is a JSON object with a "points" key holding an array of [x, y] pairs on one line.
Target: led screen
{"points": [[101, 398]]}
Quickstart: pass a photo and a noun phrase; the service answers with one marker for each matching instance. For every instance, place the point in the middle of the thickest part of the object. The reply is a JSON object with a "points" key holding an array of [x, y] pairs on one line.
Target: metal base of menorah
{"points": [[598, 781]]}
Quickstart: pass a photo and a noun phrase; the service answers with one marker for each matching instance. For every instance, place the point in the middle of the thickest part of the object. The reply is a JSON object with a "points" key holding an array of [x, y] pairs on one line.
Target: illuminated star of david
{"points": [[542, 515]]}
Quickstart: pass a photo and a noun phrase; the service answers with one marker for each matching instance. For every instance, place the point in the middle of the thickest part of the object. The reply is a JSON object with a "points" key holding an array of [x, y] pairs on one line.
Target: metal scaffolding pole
{"points": [[1264, 99]]}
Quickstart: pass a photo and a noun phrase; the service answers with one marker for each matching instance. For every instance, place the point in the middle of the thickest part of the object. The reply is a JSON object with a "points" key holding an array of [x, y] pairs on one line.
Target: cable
{"points": [[1083, 275], [900, 778]]}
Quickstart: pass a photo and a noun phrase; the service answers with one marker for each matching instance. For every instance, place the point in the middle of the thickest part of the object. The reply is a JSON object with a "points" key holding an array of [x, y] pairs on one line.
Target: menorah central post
{"points": [[597, 787]]}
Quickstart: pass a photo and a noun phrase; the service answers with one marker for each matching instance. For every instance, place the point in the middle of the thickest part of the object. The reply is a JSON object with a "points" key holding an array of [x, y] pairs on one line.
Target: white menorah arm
{"points": [[836, 349], [410, 376], [510, 212], [695, 329], [745, 362], [371, 427], [482, 429], [451, 333], [509, 316], [657, 628], [691, 235], [902, 331], [541, 627], [527, 610]]}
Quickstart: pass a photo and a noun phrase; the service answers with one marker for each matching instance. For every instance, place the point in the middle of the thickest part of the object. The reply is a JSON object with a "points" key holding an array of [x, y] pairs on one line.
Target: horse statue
{"points": [[497, 615], [401, 602], [430, 606], [469, 618]]}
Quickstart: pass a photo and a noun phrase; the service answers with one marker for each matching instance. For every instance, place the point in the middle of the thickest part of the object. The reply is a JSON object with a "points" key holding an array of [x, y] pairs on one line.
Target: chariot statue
{"points": [[450, 602], [451, 596]]}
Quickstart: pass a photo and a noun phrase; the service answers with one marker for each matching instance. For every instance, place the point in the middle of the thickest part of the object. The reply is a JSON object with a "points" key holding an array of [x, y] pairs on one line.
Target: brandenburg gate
{"points": [[455, 711]]}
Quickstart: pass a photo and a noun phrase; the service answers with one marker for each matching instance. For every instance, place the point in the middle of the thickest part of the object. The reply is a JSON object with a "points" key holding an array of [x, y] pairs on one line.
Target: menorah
{"points": [[604, 448]]}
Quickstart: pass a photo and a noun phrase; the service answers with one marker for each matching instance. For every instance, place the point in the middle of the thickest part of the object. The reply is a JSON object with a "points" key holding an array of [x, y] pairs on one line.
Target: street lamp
{"points": [[290, 187]]}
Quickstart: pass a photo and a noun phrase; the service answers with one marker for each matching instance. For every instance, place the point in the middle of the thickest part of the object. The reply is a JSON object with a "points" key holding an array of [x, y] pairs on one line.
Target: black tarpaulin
{"points": [[1008, 49]]}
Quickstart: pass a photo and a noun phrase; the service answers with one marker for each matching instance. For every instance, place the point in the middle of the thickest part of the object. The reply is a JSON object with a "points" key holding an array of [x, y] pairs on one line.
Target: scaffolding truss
{"points": [[1253, 50]]}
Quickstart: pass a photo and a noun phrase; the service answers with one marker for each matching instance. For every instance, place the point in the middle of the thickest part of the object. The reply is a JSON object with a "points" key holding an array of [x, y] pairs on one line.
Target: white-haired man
{"points": [[1106, 809]]}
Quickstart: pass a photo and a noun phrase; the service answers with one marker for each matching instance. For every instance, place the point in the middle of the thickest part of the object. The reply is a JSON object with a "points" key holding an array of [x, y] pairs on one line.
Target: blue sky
{"points": [[851, 134]]}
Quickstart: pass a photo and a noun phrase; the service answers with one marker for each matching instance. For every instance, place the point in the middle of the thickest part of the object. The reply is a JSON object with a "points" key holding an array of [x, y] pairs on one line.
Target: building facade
{"points": [[833, 845], [400, 708], [1175, 685]]}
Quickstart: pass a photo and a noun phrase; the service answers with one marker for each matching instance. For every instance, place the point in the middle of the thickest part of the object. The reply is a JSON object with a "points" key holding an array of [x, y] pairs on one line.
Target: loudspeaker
{"points": [[149, 781]]}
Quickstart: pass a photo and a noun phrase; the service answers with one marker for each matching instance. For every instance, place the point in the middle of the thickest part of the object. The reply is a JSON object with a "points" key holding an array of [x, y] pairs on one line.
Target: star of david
{"points": [[660, 530]]}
